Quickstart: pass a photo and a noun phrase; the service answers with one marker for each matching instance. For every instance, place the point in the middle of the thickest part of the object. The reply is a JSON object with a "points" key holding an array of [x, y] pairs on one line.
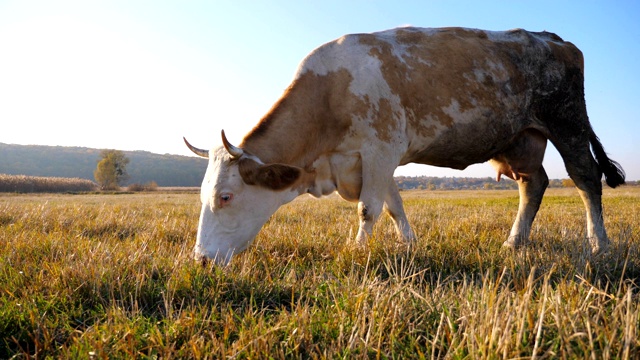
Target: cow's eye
{"points": [[225, 199]]}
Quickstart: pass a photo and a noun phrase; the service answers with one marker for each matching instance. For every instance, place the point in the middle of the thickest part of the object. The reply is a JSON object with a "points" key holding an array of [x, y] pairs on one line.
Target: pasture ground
{"points": [[110, 276]]}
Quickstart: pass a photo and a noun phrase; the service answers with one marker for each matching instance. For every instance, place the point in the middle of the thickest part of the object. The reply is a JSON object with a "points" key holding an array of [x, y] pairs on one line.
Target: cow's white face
{"points": [[238, 196]]}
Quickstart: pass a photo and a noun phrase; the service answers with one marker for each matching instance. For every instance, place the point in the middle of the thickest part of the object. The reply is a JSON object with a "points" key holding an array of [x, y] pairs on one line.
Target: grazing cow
{"points": [[364, 104]]}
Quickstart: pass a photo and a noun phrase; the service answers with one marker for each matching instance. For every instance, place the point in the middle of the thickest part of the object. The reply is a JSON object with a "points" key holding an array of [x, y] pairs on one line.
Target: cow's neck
{"points": [[277, 139], [301, 126]]}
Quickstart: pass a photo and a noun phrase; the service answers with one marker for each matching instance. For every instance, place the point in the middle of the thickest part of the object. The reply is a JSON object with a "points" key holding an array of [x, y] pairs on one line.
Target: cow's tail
{"points": [[613, 173]]}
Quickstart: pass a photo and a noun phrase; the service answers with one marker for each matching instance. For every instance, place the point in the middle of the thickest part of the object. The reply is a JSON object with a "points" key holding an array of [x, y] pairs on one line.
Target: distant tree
{"points": [[111, 171], [568, 183]]}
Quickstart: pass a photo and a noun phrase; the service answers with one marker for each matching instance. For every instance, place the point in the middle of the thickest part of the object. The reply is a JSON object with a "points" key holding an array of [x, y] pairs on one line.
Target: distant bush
{"points": [[111, 170], [150, 186], [38, 184]]}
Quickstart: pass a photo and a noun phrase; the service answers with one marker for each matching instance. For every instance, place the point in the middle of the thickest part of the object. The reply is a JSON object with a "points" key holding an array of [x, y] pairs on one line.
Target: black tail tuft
{"points": [[613, 173]]}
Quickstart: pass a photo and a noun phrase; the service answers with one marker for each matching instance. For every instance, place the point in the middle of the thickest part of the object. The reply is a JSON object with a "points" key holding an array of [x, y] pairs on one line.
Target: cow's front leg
{"points": [[369, 208], [377, 175], [393, 205]]}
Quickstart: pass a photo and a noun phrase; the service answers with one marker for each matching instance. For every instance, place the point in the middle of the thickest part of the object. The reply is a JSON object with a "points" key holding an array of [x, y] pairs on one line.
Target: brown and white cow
{"points": [[364, 104]]}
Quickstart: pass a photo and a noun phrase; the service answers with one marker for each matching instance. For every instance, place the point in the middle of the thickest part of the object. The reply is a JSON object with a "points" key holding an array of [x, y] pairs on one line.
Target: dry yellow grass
{"points": [[111, 276]]}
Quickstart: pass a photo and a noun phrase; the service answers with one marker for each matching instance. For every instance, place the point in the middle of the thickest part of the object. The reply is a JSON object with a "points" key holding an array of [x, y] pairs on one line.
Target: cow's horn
{"points": [[234, 151], [199, 152]]}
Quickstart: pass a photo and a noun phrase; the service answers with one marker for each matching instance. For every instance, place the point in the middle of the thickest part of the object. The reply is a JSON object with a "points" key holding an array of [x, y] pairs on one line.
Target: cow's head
{"points": [[239, 193]]}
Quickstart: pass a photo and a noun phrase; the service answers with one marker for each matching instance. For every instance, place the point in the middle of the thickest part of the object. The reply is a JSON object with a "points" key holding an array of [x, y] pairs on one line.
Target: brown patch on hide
{"points": [[451, 68], [382, 116], [385, 122]]}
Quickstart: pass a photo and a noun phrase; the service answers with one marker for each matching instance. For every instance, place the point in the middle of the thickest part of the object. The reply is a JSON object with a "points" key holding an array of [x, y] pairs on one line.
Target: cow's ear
{"points": [[271, 176], [277, 176]]}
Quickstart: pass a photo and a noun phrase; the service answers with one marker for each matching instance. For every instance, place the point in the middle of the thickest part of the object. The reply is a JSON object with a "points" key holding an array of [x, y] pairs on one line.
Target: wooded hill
{"points": [[80, 162]]}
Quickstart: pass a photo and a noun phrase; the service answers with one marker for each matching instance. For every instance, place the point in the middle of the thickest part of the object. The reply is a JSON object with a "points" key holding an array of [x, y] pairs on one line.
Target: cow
{"points": [[364, 104]]}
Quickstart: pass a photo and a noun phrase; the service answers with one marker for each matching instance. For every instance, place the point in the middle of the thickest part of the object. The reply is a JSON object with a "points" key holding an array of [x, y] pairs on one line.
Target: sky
{"points": [[140, 75]]}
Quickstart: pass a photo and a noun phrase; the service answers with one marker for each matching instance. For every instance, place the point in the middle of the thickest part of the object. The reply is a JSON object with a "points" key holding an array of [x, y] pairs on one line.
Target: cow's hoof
{"points": [[598, 246], [513, 242]]}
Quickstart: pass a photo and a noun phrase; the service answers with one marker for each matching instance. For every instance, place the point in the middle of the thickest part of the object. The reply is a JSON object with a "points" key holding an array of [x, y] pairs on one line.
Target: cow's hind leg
{"points": [[574, 138], [393, 205], [531, 191], [586, 175]]}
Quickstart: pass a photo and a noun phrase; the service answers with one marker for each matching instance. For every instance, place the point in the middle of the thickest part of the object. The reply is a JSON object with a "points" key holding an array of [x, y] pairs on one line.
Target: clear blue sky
{"points": [[138, 75]]}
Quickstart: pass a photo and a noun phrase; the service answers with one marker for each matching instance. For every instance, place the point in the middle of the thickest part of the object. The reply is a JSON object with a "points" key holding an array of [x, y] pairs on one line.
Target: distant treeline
{"points": [[459, 183], [78, 162], [466, 183]]}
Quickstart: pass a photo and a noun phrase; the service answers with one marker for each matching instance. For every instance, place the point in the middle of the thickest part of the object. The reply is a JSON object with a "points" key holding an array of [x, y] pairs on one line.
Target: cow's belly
{"points": [[461, 145]]}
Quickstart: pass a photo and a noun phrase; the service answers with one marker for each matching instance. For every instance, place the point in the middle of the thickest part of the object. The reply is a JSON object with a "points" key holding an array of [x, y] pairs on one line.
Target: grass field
{"points": [[110, 276]]}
